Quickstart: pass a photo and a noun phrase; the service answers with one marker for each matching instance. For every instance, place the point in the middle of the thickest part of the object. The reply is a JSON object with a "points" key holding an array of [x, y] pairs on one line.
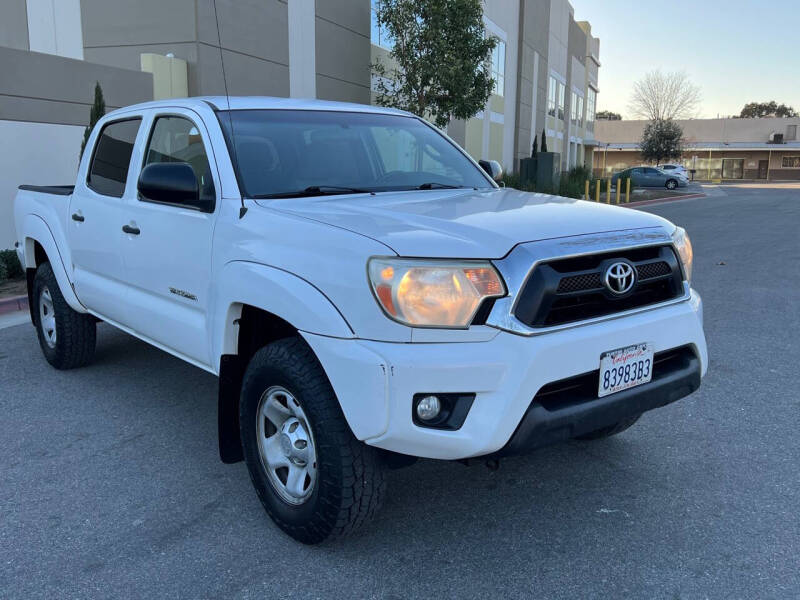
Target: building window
{"points": [[790, 162], [573, 108], [552, 91], [499, 68], [580, 111], [378, 35], [561, 94], [591, 105]]}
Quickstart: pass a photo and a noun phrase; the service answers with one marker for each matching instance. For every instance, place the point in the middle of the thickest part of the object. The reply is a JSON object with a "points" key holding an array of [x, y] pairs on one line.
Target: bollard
{"points": [[608, 191], [586, 191], [619, 188], [597, 192], [628, 191]]}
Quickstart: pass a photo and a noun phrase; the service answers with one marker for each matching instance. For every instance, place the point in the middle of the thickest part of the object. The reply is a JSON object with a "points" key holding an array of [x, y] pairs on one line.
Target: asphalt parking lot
{"points": [[111, 485]]}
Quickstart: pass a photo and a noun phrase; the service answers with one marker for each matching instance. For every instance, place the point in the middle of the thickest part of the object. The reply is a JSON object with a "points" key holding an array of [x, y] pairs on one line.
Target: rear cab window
{"points": [[108, 171]]}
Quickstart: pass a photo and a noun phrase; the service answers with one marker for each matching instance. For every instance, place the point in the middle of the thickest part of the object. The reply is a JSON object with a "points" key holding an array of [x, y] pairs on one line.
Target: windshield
{"points": [[285, 153]]}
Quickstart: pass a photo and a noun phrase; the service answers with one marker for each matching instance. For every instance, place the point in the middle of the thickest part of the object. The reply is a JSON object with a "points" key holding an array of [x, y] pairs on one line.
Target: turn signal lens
{"points": [[684, 247], [430, 293]]}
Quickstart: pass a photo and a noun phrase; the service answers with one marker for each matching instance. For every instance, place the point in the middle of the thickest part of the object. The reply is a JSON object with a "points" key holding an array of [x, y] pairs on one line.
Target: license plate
{"points": [[625, 368]]}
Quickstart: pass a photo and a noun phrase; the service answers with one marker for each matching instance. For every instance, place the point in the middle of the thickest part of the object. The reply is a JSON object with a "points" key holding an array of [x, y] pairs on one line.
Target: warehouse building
{"points": [[53, 51], [715, 149]]}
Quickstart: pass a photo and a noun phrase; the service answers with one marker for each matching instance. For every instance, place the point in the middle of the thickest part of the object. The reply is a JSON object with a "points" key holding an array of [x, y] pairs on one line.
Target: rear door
{"points": [[168, 261], [94, 228]]}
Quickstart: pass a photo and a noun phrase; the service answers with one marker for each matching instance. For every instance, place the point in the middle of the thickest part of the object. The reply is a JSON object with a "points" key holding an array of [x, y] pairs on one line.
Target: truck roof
{"points": [[263, 102]]}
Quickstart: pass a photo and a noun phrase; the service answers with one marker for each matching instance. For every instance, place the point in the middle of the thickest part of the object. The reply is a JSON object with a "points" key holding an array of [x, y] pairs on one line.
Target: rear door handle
{"points": [[131, 230], [78, 217]]}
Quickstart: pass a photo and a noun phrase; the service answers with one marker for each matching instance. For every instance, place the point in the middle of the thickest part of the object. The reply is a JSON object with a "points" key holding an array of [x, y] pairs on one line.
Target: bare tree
{"points": [[662, 96]]}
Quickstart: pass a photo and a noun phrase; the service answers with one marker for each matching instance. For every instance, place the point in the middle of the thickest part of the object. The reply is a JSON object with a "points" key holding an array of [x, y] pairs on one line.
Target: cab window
{"points": [[177, 140], [108, 171]]}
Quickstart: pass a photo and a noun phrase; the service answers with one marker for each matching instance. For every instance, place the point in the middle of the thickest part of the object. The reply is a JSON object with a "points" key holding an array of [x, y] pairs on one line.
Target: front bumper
{"points": [[376, 381], [579, 413]]}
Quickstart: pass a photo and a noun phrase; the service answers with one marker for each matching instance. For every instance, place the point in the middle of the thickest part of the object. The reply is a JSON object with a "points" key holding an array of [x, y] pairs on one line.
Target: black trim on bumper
{"points": [[564, 410]]}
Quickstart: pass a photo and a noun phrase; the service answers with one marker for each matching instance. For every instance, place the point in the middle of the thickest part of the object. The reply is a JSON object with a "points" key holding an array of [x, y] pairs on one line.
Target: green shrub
{"points": [[10, 268], [512, 180], [573, 182]]}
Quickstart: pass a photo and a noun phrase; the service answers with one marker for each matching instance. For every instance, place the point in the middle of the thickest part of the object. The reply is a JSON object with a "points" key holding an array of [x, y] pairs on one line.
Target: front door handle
{"points": [[131, 230], [78, 217]]}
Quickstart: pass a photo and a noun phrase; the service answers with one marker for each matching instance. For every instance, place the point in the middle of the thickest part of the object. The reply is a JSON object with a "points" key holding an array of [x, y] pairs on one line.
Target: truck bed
{"points": [[57, 190]]}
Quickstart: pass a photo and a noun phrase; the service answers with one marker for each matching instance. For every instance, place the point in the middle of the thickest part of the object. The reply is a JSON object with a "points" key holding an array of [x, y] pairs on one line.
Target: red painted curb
{"points": [[8, 305], [662, 200]]}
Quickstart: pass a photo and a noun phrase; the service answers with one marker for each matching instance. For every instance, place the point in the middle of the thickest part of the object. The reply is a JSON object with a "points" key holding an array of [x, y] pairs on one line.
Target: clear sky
{"points": [[737, 51]]}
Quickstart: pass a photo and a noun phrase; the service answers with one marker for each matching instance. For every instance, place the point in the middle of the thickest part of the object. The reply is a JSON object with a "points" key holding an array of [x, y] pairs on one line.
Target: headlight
{"points": [[433, 293], [684, 247]]}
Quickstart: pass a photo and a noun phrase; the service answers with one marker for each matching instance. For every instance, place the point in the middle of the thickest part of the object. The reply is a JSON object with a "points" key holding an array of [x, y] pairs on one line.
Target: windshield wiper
{"points": [[439, 186], [314, 190]]}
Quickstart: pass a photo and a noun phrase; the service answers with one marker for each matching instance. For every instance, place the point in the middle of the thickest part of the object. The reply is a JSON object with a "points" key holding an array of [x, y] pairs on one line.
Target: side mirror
{"points": [[493, 168], [172, 183]]}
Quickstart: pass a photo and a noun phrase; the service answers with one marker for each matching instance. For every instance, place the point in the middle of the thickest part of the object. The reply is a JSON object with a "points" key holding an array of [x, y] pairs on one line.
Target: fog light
{"points": [[428, 408]]}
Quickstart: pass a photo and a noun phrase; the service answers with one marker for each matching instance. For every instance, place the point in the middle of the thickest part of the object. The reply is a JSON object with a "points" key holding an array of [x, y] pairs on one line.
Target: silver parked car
{"points": [[675, 168], [650, 177]]}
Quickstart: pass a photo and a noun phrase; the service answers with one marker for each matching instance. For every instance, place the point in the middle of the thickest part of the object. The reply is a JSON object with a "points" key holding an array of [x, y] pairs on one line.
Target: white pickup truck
{"points": [[364, 290]]}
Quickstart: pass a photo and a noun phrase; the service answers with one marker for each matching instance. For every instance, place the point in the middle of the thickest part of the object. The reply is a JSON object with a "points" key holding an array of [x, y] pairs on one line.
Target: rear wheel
{"points": [[610, 430], [314, 478], [67, 337], [671, 184]]}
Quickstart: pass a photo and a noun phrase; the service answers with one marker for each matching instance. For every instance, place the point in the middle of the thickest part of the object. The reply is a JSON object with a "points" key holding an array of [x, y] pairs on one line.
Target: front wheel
{"points": [[314, 478], [67, 337], [671, 184]]}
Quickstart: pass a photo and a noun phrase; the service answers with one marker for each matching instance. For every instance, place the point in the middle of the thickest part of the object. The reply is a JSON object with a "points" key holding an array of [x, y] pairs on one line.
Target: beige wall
{"points": [[616, 160], [699, 130]]}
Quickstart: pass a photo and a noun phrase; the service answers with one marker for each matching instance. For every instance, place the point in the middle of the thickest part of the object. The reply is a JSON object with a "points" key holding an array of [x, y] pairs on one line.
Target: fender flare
{"points": [[285, 295], [273, 290], [36, 230]]}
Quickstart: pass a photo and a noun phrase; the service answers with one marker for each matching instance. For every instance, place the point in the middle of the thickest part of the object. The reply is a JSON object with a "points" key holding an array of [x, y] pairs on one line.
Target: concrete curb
{"points": [[8, 305]]}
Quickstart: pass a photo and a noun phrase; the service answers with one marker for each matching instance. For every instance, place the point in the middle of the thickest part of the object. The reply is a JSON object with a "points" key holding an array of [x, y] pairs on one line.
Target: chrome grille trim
{"points": [[516, 268]]}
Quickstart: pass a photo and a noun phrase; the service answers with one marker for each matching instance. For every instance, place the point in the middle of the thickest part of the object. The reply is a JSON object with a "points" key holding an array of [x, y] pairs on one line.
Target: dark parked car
{"points": [[649, 177]]}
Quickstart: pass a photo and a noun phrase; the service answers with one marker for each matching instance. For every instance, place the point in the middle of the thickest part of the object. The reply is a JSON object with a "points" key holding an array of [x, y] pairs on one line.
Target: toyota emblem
{"points": [[620, 278]]}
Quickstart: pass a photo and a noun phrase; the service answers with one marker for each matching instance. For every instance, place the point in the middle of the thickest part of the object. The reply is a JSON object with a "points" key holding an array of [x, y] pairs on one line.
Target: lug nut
{"points": [[428, 408]]}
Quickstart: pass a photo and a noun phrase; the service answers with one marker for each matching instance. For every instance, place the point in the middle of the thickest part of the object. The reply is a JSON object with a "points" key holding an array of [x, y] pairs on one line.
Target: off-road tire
{"points": [[350, 483], [76, 333], [610, 430]]}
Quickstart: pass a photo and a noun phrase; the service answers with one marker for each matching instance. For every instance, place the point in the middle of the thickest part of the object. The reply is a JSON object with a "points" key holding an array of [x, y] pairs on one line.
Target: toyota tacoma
{"points": [[365, 292]]}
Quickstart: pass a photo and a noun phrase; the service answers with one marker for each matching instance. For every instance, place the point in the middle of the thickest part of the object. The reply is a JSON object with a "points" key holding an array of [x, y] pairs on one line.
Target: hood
{"points": [[463, 223]]}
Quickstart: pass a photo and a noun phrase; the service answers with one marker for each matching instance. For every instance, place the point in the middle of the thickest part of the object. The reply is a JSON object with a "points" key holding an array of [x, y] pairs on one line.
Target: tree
{"points": [[663, 96], [662, 139], [535, 144], [756, 110], [441, 55], [95, 114], [544, 141], [607, 115]]}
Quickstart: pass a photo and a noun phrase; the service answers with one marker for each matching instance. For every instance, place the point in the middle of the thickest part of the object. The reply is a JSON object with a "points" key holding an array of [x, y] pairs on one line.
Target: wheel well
{"points": [[257, 328], [39, 255]]}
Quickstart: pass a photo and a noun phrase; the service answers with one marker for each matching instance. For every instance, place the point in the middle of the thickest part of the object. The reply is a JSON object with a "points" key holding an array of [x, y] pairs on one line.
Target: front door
{"points": [[95, 221], [763, 166], [168, 262]]}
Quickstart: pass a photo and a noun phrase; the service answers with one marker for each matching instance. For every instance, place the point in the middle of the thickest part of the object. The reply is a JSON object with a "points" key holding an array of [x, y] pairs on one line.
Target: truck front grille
{"points": [[573, 289]]}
